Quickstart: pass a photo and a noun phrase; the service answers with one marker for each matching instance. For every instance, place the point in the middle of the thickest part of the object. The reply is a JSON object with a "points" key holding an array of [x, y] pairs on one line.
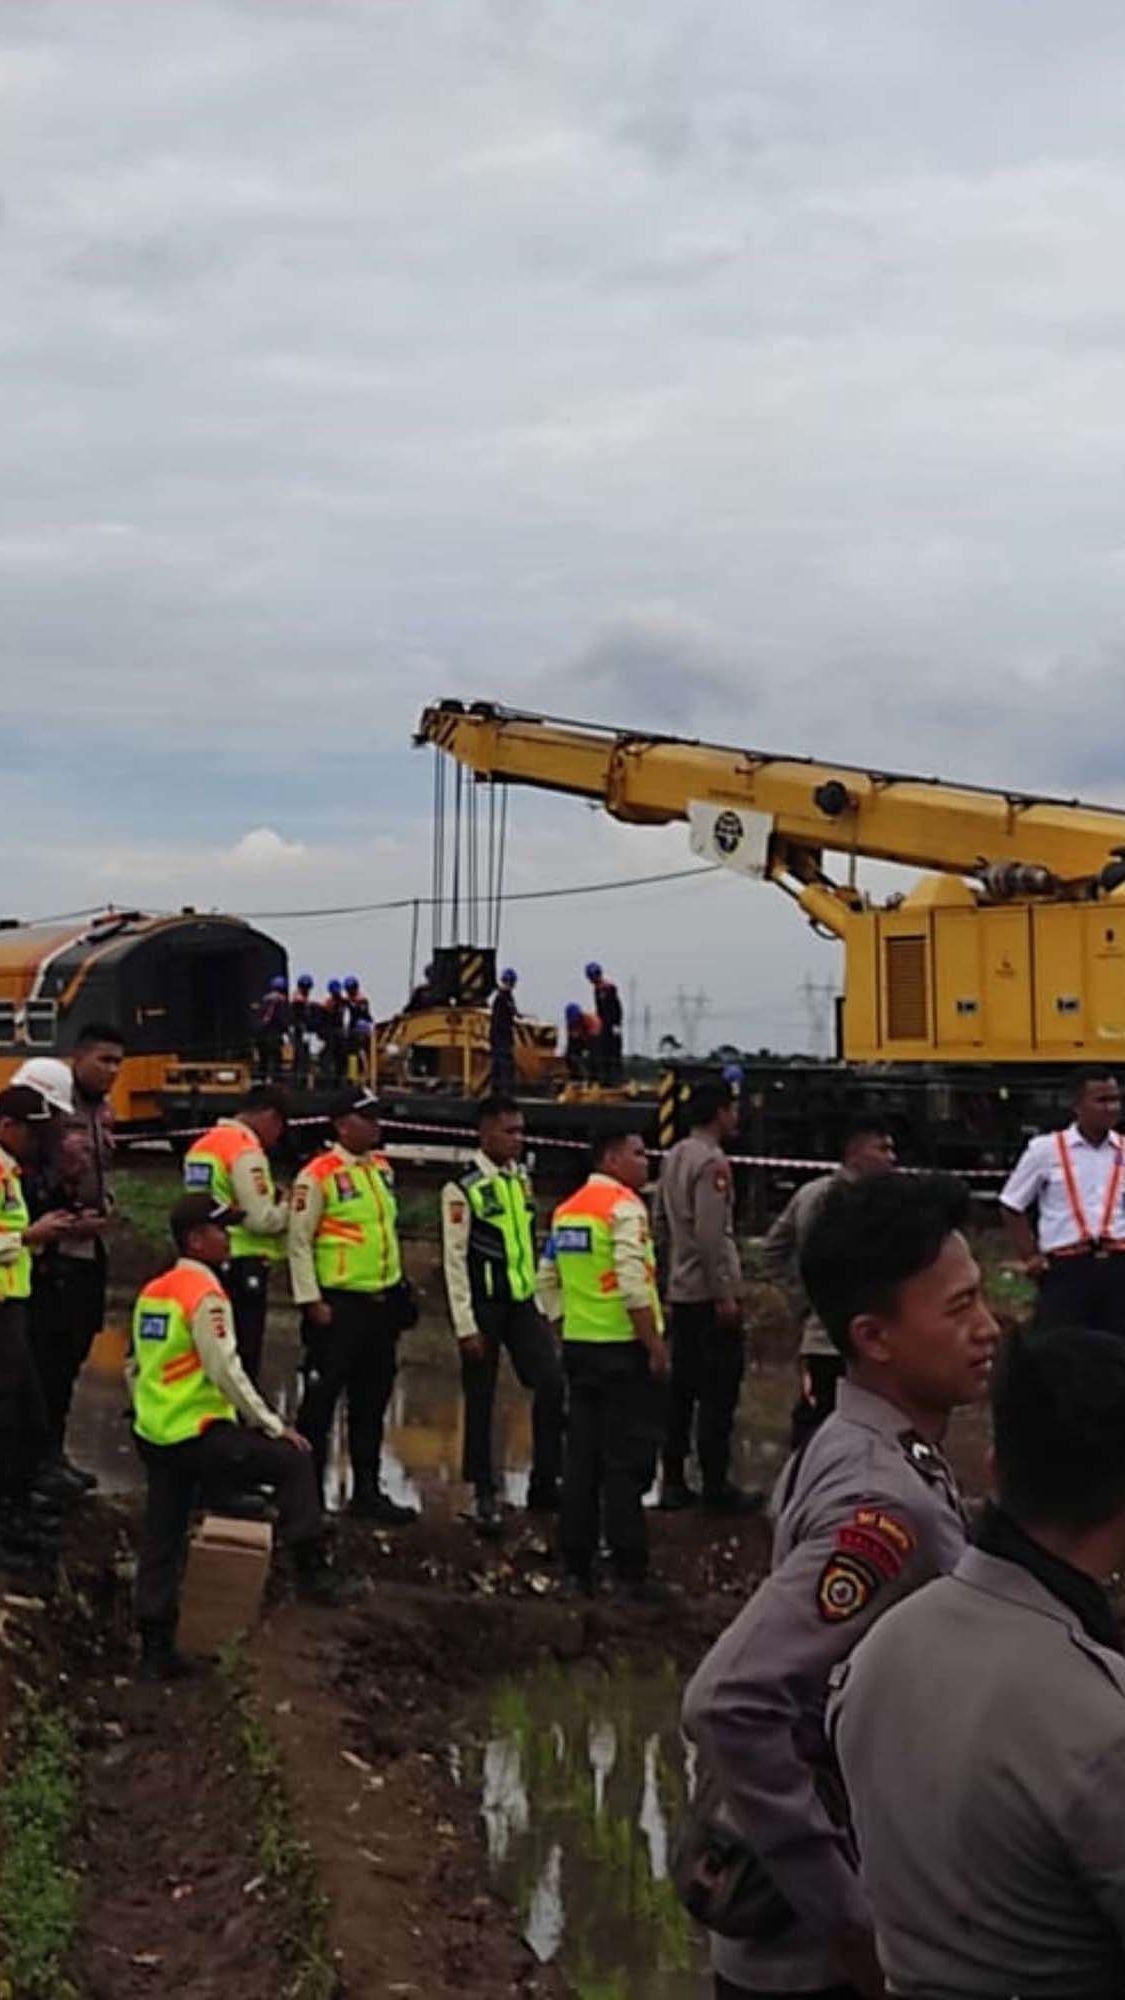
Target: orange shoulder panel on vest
{"points": [[228, 1143], [325, 1164], [186, 1288], [595, 1199]]}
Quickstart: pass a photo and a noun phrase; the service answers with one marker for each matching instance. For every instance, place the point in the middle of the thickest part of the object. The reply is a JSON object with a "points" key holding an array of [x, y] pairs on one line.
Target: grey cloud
{"points": [[745, 371]]}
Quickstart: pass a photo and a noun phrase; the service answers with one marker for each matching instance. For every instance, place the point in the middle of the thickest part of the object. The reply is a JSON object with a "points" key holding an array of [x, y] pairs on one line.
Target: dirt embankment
{"points": [[192, 1881]]}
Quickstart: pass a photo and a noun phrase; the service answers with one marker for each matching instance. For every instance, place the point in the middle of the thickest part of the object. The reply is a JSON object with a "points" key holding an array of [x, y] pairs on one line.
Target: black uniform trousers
{"points": [[707, 1364], [615, 1419], [725, 1991], [66, 1310], [535, 1357], [356, 1356], [246, 1280], [823, 1374], [1084, 1291], [25, 1431], [225, 1457]]}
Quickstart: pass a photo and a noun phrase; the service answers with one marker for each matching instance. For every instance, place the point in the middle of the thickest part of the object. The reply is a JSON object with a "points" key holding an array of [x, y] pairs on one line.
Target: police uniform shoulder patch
{"points": [[218, 1320], [845, 1589], [457, 1213], [722, 1180], [870, 1549], [300, 1197], [261, 1185]]}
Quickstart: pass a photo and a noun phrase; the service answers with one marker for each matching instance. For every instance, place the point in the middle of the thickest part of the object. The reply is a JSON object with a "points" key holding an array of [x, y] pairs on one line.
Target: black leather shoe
{"points": [[486, 1517], [164, 1663], [543, 1500], [381, 1509], [677, 1498], [731, 1500], [88, 1481]]}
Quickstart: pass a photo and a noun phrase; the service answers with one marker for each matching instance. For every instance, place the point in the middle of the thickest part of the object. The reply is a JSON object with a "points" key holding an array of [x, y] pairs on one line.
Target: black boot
{"points": [[159, 1659], [317, 1581], [377, 1506]]}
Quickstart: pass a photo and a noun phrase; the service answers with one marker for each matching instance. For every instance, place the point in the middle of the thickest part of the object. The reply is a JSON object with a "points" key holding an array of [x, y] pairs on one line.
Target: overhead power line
{"points": [[517, 896], [403, 902]]}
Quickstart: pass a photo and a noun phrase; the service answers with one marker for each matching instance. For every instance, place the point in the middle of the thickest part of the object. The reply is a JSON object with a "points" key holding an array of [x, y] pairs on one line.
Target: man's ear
{"points": [[868, 1336]]}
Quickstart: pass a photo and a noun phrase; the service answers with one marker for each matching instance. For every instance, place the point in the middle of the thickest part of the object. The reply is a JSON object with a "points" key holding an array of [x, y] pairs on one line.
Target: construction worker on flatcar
{"points": [[302, 1020], [502, 1019], [608, 1057]]}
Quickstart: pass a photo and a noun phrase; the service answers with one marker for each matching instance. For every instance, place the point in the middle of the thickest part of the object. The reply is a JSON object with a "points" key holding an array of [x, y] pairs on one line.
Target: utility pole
{"points": [[818, 999]]}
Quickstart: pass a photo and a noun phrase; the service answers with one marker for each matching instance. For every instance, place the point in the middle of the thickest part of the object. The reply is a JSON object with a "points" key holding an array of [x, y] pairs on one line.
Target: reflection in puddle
{"points": [[422, 1446], [582, 1776]]}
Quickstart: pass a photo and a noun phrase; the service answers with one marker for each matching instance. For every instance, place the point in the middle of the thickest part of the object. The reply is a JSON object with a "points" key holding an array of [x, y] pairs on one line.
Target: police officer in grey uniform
{"points": [[868, 1149], [693, 1223], [981, 1727], [867, 1512]]}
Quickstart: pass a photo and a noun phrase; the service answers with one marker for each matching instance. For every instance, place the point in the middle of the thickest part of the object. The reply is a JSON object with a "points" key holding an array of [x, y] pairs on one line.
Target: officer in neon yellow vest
{"points": [[489, 1257], [345, 1268], [598, 1275], [200, 1423], [25, 1432], [231, 1163]]}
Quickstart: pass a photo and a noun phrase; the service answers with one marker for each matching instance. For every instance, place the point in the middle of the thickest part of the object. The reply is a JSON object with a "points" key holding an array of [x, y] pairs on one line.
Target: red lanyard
{"points": [[1113, 1190]]}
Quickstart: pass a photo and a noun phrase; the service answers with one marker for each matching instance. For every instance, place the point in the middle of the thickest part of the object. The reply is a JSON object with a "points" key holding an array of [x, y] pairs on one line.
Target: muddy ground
{"points": [[289, 1825], [362, 1706]]}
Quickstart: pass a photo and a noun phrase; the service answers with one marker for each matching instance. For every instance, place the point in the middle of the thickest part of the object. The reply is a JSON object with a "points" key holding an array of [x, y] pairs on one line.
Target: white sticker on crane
{"points": [[732, 836]]}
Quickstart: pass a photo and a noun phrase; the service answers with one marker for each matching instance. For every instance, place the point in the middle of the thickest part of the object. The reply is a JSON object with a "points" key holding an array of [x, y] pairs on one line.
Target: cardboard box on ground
{"points": [[228, 1562]]}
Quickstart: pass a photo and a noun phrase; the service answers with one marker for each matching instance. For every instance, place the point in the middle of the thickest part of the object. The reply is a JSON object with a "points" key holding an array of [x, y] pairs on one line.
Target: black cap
{"points": [[194, 1211], [360, 1101], [23, 1105]]}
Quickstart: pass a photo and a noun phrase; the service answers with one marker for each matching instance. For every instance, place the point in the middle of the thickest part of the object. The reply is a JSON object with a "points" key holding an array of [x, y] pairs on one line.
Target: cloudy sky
{"points": [[753, 370]]}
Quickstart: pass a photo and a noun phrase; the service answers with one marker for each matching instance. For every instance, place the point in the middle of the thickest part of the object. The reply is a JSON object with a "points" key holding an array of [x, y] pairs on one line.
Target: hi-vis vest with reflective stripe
{"points": [[582, 1244], [501, 1236], [15, 1278], [207, 1170], [356, 1244], [172, 1397]]}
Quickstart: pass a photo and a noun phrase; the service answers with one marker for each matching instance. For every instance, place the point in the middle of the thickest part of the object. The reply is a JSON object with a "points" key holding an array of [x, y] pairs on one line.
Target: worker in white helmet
{"points": [[52, 1078]]}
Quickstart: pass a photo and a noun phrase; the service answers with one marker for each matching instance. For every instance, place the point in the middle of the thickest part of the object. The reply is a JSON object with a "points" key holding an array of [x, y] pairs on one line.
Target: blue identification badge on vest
{"points": [[346, 1189], [573, 1236], [197, 1173], [154, 1326], [12, 1194]]}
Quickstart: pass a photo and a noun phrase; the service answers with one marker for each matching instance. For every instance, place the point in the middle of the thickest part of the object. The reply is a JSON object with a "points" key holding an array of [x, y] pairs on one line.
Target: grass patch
{"points": [[143, 1197], [39, 1890], [285, 1861]]}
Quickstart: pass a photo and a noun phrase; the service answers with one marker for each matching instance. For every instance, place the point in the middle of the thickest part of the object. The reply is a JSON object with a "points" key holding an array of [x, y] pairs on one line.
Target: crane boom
{"points": [[920, 822], [1011, 949]]}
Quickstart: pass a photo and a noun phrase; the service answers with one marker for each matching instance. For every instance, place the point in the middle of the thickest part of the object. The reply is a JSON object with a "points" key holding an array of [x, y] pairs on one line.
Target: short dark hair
{"points": [[499, 1105], [606, 1143], [1058, 1412], [707, 1100], [865, 1125], [99, 1031], [868, 1237], [265, 1097], [1096, 1073]]}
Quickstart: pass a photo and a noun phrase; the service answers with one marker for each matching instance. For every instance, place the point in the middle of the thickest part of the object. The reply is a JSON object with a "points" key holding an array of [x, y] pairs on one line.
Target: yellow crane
{"points": [[1010, 949]]}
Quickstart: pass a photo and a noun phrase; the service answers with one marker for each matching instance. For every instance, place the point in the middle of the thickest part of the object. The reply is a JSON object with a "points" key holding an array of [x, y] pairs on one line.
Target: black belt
{"points": [[1084, 1253]]}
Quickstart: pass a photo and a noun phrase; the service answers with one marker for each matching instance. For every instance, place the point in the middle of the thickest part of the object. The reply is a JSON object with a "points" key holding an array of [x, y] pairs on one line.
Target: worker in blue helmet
{"points": [[357, 1025], [502, 1019], [582, 1032], [334, 1034], [608, 1062], [270, 1027], [303, 1014]]}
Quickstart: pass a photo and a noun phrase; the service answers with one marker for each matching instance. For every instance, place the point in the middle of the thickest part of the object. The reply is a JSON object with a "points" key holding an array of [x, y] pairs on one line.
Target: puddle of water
{"points": [[422, 1444], [582, 1776]]}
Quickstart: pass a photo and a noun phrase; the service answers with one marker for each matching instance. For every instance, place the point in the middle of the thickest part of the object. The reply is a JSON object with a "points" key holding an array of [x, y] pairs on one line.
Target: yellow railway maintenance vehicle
{"points": [[1010, 949], [181, 989]]}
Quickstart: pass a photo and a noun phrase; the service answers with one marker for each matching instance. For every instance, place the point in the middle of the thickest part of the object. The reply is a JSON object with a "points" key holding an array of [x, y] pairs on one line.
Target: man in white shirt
{"points": [[1075, 1181]]}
